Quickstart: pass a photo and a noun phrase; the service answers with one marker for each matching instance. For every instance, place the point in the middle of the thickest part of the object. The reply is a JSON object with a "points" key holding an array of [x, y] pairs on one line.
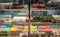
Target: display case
{"points": [[29, 18]]}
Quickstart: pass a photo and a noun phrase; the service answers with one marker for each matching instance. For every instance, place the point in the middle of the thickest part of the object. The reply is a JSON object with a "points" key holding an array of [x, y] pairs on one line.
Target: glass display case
{"points": [[29, 18]]}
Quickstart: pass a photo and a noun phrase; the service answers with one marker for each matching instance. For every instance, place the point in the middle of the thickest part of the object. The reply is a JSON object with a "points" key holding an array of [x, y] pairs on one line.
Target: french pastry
{"points": [[8, 20]]}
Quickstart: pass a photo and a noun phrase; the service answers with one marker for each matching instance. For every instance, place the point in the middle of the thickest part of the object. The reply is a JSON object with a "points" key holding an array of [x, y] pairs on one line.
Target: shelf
{"points": [[35, 9], [26, 9], [45, 23], [14, 9]]}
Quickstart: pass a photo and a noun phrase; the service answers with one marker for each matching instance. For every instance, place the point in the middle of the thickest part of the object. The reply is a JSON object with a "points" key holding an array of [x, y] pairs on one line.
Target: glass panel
{"points": [[14, 19], [46, 17]]}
